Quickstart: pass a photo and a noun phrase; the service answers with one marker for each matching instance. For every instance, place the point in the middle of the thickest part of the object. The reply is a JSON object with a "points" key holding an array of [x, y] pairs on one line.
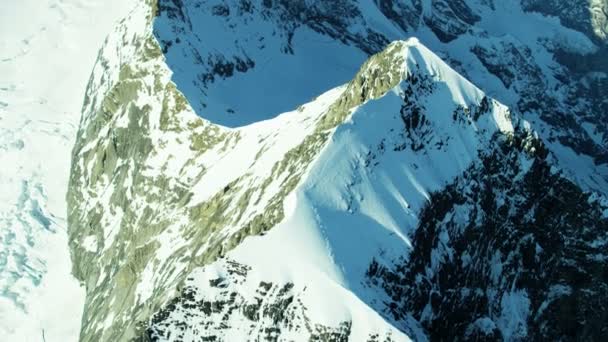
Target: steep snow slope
{"points": [[550, 66], [47, 49], [510, 250]]}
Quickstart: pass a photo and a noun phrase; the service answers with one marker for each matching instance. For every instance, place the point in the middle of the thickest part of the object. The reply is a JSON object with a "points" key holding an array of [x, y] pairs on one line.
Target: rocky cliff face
{"points": [[405, 204]]}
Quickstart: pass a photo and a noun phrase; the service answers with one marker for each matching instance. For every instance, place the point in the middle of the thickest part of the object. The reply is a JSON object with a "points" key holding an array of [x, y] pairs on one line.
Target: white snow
{"points": [[90, 243], [515, 309], [47, 50], [342, 215]]}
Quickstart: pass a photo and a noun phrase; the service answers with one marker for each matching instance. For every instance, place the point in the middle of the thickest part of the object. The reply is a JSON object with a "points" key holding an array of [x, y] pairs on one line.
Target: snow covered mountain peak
{"points": [[294, 170], [165, 207], [279, 170], [407, 66]]}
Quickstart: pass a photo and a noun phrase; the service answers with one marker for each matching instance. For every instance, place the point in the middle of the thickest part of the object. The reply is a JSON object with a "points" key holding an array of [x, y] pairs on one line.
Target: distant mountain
{"points": [[451, 193]]}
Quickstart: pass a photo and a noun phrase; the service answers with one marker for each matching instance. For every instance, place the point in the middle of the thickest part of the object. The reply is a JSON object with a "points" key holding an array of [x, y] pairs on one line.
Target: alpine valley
{"points": [[301, 170]]}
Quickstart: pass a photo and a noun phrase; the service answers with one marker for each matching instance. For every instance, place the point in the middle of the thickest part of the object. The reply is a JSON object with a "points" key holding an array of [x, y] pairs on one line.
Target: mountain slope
{"points": [[47, 49], [510, 250], [303, 226]]}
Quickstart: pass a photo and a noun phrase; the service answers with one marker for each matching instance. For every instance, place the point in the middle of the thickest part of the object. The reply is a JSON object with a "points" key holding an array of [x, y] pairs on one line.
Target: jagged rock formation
{"points": [[358, 216]]}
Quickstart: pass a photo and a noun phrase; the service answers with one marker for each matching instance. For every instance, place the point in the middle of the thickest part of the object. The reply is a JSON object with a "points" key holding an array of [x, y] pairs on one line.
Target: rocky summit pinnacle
{"points": [[273, 170]]}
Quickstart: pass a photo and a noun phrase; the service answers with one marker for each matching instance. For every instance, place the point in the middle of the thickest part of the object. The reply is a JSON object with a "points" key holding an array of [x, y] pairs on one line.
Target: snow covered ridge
{"points": [[550, 67], [156, 191]]}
